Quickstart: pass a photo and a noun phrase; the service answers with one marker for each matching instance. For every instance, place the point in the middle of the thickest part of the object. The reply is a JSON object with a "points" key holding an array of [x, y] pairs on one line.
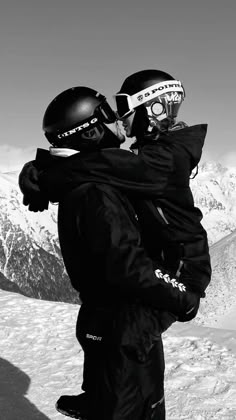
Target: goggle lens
{"points": [[122, 105]]}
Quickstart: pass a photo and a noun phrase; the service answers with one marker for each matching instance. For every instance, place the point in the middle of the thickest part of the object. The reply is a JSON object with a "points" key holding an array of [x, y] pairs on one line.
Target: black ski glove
{"points": [[28, 183]]}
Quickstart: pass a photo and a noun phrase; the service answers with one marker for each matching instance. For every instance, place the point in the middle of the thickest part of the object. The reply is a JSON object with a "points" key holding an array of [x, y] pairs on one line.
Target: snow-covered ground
{"points": [[40, 360]]}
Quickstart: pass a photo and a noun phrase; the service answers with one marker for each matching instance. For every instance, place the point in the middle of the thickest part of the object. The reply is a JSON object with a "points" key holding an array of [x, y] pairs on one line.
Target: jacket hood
{"points": [[191, 138]]}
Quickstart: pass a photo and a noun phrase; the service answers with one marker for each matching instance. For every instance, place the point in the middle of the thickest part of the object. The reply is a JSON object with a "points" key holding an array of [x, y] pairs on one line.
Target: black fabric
{"points": [[28, 183], [93, 331], [121, 338], [161, 167], [100, 242], [124, 372], [131, 388], [157, 178]]}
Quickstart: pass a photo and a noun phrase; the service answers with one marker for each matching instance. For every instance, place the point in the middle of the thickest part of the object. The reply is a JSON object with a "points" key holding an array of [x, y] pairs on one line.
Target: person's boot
{"points": [[75, 406]]}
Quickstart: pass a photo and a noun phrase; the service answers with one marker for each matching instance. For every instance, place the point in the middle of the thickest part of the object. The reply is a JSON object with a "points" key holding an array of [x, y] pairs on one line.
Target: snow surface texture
{"points": [[41, 360]]}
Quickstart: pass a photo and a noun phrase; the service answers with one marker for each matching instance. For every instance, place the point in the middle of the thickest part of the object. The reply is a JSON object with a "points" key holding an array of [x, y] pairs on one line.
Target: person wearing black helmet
{"points": [[80, 111], [98, 127], [148, 104], [138, 176]]}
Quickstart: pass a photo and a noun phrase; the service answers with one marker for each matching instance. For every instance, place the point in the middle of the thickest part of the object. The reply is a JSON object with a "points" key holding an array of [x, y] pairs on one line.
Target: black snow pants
{"points": [[123, 362]]}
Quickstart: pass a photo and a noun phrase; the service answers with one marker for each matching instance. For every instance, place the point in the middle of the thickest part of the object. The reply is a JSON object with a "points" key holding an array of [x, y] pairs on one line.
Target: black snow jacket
{"points": [[102, 250], [157, 182]]}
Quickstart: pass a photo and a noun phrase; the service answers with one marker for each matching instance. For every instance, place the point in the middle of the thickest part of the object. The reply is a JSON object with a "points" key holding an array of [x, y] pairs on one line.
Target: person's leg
{"points": [[92, 328], [132, 384], [158, 411], [76, 406], [89, 337], [154, 405]]}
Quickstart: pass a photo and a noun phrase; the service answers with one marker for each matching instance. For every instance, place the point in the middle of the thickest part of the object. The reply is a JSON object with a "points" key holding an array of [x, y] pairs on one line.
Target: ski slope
{"points": [[41, 359]]}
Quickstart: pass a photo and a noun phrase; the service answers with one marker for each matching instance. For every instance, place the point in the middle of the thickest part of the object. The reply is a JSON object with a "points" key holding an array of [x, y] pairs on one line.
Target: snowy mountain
{"points": [[214, 191], [29, 251], [220, 295]]}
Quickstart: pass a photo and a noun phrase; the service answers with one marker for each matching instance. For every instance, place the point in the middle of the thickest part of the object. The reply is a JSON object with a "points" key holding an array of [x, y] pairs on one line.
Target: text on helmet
{"points": [[81, 127], [156, 90]]}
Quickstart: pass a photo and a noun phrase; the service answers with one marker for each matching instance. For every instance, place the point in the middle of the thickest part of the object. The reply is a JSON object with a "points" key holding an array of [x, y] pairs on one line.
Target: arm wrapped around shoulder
{"points": [[28, 183]]}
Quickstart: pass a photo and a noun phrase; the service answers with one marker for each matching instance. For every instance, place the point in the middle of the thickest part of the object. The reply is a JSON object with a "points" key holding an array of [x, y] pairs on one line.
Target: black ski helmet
{"points": [[155, 95], [76, 117]]}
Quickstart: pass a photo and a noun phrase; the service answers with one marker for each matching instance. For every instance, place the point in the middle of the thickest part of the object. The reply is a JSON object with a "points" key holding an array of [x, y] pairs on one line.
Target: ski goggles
{"points": [[126, 104], [104, 113]]}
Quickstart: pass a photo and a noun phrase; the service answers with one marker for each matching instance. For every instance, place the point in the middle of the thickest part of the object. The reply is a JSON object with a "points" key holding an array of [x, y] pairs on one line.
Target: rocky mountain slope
{"points": [[220, 294], [29, 251]]}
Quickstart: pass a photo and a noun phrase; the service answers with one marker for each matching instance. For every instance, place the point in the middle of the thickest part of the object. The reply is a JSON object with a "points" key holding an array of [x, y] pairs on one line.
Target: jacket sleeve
{"points": [[113, 232], [145, 175], [33, 198]]}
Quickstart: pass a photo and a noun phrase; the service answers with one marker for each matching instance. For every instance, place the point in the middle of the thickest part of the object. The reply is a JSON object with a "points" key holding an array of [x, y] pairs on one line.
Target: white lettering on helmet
{"points": [[77, 129], [151, 92], [159, 89]]}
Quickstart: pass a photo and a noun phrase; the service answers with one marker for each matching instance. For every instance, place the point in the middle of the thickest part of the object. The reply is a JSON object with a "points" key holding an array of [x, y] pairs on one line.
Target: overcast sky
{"points": [[49, 46]]}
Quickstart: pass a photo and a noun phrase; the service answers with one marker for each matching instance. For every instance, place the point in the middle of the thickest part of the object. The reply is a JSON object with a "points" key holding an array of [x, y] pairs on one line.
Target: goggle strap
{"points": [[84, 125], [152, 92], [106, 112], [100, 96]]}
